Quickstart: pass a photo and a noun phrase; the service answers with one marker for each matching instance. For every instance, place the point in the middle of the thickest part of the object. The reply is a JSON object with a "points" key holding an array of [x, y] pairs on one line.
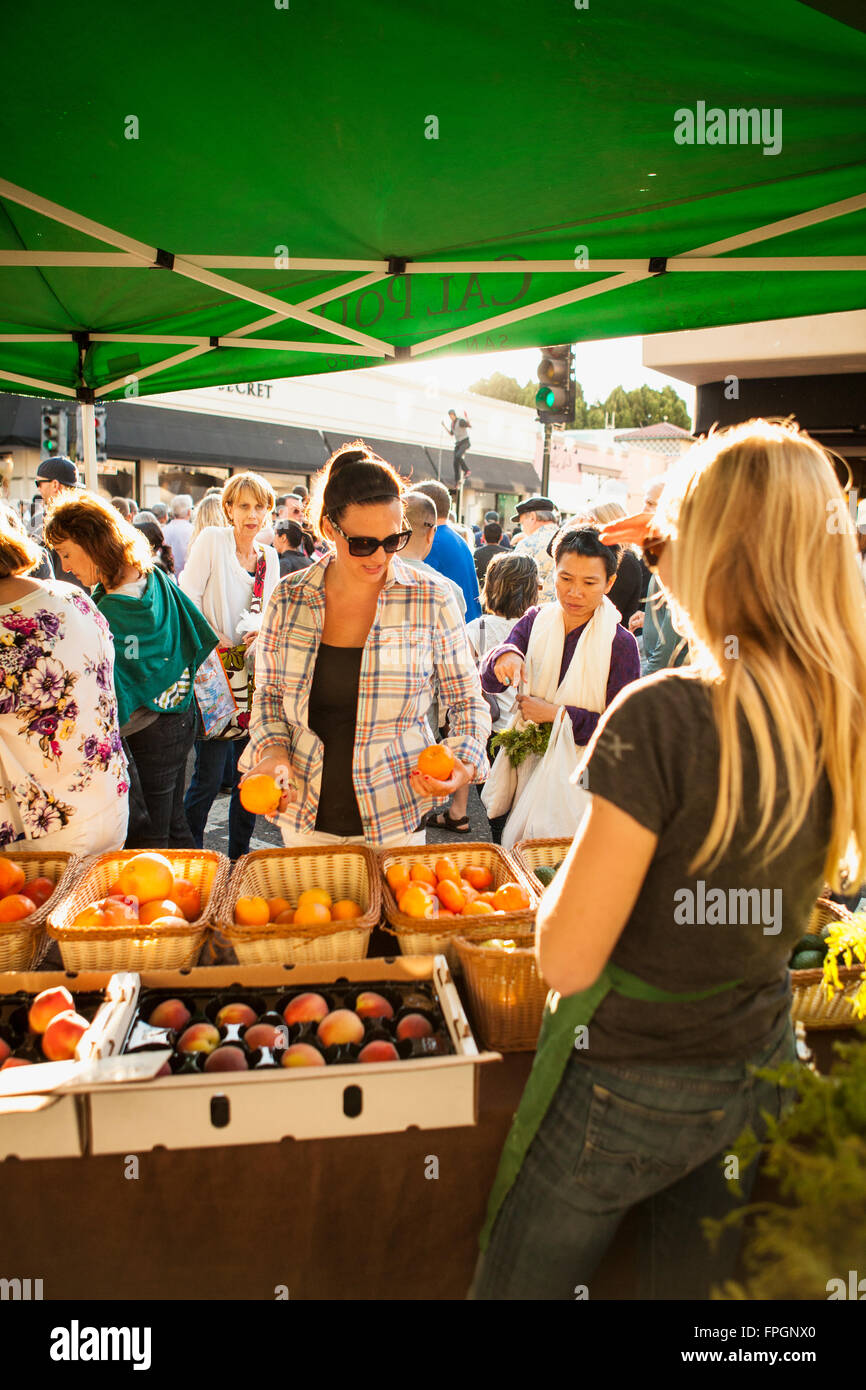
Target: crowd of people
{"points": [[706, 659]]}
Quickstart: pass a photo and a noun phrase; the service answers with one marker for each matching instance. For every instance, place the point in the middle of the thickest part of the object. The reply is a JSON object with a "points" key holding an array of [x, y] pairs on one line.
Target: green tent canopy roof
{"points": [[211, 194]]}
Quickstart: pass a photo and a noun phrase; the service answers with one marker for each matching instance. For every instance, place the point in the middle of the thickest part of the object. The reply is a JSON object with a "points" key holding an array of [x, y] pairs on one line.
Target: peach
{"points": [[15, 1062], [302, 1055], [108, 912], [170, 1013], [47, 1005], [372, 1005], [305, 1008], [378, 1051], [227, 1058], [5, 1050], [414, 1026], [341, 1026], [265, 1035], [39, 890], [188, 899], [236, 1013], [199, 1037], [146, 876], [63, 1035]]}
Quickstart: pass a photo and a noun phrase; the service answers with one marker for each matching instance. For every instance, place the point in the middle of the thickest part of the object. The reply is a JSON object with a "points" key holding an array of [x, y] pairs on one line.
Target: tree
{"points": [[634, 410], [505, 388]]}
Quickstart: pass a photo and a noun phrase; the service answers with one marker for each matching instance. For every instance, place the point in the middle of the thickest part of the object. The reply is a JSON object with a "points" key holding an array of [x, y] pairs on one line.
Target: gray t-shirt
{"points": [[655, 755]]}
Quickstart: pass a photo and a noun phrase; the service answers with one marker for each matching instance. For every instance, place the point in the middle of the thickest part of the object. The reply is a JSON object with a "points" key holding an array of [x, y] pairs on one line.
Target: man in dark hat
{"points": [[54, 477], [539, 523]]}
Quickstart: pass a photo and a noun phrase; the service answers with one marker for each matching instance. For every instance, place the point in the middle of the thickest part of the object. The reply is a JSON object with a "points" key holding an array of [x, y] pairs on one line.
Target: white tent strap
{"points": [[630, 264], [50, 387]]}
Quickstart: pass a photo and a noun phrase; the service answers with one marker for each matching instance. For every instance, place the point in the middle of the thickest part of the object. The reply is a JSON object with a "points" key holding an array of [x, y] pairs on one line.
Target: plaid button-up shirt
{"points": [[417, 637]]}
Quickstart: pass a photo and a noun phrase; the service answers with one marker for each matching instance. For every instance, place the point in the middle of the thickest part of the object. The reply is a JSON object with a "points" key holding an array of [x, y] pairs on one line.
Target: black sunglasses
{"points": [[368, 545]]}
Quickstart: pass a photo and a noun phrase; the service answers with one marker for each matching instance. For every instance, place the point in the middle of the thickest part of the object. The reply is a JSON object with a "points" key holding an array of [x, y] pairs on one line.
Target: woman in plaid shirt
{"points": [[347, 658]]}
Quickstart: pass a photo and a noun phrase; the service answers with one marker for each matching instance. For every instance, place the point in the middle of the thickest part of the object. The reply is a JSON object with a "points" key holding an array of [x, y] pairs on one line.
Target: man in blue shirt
{"points": [[450, 554]]}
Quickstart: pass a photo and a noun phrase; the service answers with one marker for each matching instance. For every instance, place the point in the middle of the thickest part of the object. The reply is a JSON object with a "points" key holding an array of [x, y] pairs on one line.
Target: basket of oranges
{"points": [[31, 883], [433, 894], [139, 909], [303, 905], [506, 992]]}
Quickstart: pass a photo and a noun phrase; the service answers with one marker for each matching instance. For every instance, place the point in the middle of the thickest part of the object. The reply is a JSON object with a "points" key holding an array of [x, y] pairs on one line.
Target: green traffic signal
{"points": [[544, 398]]}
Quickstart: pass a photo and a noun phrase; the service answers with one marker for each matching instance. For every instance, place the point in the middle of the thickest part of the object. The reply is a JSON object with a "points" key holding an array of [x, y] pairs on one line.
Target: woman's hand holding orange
{"points": [[277, 765], [431, 786]]}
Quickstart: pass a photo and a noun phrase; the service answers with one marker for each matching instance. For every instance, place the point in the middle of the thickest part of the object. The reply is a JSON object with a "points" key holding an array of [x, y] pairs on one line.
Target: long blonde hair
{"points": [[765, 585], [209, 512]]}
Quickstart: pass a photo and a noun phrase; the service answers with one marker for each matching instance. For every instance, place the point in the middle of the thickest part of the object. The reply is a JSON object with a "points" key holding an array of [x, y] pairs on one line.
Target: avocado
{"points": [[545, 874], [810, 942], [807, 960]]}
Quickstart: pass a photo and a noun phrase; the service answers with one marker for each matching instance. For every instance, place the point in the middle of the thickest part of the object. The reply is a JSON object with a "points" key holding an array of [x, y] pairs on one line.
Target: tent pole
{"points": [[87, 435]]}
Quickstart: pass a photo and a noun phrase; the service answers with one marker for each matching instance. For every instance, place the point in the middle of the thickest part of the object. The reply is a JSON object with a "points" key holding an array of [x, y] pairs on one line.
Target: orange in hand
{"points": [[251, 912], [510, 897], [260, 794], [437, 762]]}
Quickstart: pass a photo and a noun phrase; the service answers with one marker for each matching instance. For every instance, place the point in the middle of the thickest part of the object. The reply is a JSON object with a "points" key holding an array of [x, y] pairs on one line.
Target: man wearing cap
{"points": [[538, 526], [53, 477]]}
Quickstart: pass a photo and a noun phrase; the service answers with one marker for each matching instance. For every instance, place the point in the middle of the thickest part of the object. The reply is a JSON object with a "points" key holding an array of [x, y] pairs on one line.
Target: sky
{"points": [[599, 367]]}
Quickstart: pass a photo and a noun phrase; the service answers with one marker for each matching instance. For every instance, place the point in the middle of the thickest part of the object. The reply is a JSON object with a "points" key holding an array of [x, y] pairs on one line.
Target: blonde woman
{"points": [[209, 512], [723, 795], [230, 576]]}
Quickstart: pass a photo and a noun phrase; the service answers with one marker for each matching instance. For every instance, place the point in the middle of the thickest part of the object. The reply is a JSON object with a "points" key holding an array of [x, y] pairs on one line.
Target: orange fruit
{"points": [[437, 762], [15, 907], [421, 873], [345, 910], [477, 909], [278, 905], [479, 878], [159, 907], [452, 898], [39, 890], [11, 877], [312, 913], [415, 902], [287, 915], [260, 794], [469, 893], [188, 898], [251, 912], [146, 876], [314, 895], [511, 897], [446, 868], [398, 878], [486, 897]]}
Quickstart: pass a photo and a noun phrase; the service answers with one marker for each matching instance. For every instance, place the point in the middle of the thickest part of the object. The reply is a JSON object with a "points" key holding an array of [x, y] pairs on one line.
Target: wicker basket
{"points": [[23, 944], [134, 947], [419, 936], [506, 992], [349, 871], [529, 854], [810, 1004]]}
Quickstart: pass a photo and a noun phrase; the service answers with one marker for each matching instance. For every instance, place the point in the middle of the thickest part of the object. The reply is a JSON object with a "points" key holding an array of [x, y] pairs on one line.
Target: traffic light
{"points": [[52, 438], [99, 428], [554, 399]]}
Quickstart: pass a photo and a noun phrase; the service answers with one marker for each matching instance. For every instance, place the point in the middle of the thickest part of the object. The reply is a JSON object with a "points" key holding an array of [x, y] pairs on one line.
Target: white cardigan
{"points": [[217, 583]]}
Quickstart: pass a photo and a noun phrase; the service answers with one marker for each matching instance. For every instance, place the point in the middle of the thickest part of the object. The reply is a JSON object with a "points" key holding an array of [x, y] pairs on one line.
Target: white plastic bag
{"points": [[501, 786], [547, 803]]}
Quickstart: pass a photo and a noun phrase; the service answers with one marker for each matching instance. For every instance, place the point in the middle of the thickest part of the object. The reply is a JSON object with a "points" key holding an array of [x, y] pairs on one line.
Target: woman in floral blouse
{"points": [[63, 775]]}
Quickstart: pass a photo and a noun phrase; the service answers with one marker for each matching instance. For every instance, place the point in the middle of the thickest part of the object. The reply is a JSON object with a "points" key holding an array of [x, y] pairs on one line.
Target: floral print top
{"points": [[60, 752]]}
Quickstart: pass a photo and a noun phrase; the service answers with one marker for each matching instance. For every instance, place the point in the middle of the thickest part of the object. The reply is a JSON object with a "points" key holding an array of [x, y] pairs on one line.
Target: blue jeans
{"points": [[621, 1136], [216, 761]]}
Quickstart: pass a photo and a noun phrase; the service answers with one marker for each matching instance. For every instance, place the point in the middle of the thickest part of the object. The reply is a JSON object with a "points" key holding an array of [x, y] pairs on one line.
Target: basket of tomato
{"points": [[432, 894]]}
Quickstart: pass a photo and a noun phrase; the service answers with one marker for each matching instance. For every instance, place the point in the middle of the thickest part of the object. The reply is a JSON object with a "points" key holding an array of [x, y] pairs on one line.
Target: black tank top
{"points": [[333, 714]]}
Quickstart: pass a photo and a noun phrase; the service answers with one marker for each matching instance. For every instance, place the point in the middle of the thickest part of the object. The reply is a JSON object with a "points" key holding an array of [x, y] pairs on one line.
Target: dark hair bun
{"points": [[355, 475]]}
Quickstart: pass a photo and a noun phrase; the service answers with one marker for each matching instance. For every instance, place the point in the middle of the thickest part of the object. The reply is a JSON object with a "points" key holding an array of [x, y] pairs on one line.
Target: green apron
{"points": [[555, 1042]]}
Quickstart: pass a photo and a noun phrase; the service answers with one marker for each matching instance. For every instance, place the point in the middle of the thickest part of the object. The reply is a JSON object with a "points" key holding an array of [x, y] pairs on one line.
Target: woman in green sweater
{"points": [[160, 640]]}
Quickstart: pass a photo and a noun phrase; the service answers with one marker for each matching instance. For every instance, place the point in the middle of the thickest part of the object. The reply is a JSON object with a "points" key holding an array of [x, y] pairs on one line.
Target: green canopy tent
{"points": [[211, 194]]}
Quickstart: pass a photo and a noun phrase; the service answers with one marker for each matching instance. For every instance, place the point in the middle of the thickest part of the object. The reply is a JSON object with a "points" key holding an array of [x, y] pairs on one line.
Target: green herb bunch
{"points": [[520, 742]]}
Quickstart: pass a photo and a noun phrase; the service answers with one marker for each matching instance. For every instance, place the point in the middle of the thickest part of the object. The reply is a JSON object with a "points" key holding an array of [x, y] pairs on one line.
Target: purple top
{"points": [[624, 668]]}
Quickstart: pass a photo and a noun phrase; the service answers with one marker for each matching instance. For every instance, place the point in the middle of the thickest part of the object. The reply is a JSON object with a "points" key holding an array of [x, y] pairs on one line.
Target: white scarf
{"points": [[585, 681]]}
